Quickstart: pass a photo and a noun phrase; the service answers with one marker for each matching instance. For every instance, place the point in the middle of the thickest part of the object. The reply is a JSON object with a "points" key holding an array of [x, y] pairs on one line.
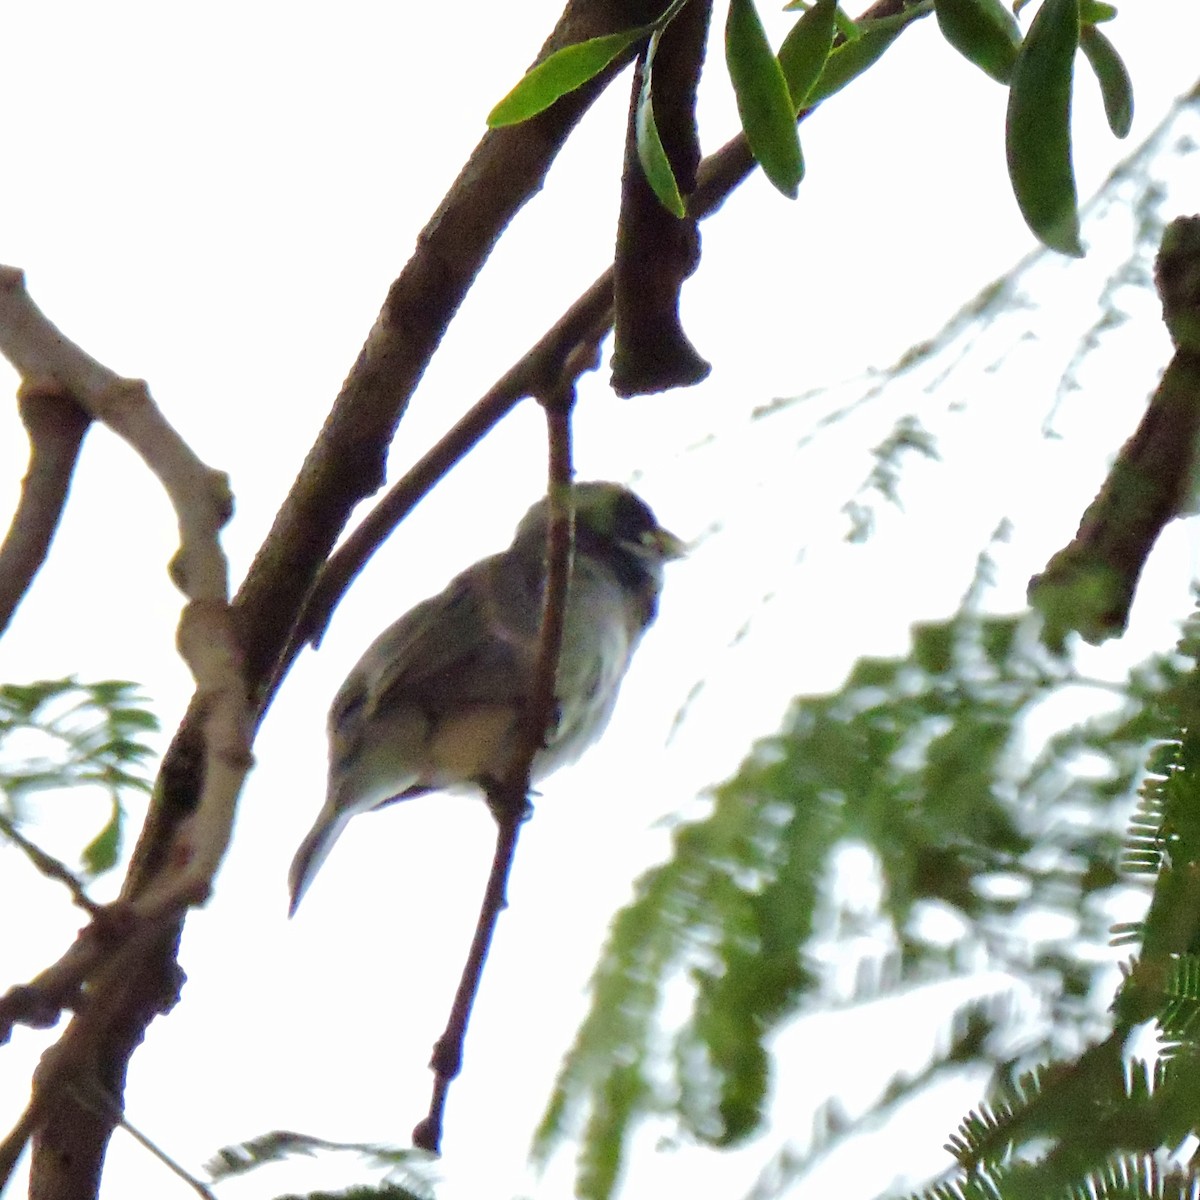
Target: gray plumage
{"points": [[435, 702]]}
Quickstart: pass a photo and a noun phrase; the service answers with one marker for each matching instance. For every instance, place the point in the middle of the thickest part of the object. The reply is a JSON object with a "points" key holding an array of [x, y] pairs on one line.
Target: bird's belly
{"points": [[587, 697], [473, 745]]}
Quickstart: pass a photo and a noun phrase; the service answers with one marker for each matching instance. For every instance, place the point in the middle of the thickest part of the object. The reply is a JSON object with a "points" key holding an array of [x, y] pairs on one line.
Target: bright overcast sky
{"points": [[215, 200]]}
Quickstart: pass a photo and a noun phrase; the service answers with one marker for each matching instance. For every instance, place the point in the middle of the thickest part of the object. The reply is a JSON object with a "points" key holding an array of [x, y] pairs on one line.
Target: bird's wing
{"points": [[475, 641]]}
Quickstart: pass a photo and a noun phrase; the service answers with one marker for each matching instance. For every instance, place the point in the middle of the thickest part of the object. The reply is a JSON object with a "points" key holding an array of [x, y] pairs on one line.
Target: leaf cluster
{"points": [[825, 50], [940, 766], [59, 734], [409, 1173], [1102, 1124]]}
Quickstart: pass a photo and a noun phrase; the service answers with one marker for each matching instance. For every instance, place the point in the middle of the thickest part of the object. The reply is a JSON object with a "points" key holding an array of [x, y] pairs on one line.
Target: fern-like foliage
{"points": [[928, 763], [1128, 1177], [993, 842], [1099, 1125], [409, 1170], [61, 734]]}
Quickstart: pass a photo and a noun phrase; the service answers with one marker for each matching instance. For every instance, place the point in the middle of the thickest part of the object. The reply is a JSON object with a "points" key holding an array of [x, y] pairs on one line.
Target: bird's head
{"points": [[614, 526]]}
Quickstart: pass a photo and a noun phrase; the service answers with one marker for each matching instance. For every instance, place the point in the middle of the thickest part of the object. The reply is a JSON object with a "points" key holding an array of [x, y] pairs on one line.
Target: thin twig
{"points": [[51, 867], [14, 1143], [508, 799], [113, 1110], [446, 1061]]}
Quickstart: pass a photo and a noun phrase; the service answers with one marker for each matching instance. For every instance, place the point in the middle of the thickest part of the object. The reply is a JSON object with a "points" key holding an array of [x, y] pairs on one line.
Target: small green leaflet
{"points": [[1038, 128], [983, 31], [1116, 87], [847, 26], [1095, 12], [764, 102], [849, 60], [562, 72], [650, 152], [102, 852], [805, 49]]}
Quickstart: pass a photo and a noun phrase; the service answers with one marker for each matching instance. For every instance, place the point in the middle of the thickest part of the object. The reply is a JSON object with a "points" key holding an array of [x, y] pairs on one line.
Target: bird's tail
{"points": [[313, 852]]}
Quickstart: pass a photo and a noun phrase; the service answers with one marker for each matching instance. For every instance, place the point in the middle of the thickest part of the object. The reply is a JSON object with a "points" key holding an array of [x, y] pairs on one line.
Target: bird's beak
{"points": [[664, 544]]}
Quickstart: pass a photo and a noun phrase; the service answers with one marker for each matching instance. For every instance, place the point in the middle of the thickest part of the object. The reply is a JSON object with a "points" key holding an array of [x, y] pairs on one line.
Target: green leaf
{"points": [[1115, 85], [983, 31], [763, 100], [562, 72], [1095, 12], [607, 1134], [652, 156], [849, 60], [805, 49], [100, 854], [1038, 128], [933, 646], [847, 26], [997, 636]]}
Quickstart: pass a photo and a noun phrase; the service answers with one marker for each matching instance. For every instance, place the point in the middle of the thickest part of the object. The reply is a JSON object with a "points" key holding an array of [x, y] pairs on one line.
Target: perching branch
{"points": [[509, 797]]}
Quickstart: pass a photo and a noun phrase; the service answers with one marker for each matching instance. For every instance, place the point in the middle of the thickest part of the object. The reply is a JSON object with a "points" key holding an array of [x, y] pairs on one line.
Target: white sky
{"points": [[216, 200]]}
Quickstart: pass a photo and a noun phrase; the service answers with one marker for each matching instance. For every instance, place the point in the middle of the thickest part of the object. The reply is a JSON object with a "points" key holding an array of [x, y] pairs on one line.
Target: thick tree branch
{"points": [[51, 365]]}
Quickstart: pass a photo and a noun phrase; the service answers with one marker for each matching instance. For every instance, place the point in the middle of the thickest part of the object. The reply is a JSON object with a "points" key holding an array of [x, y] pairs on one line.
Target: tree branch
{"points": [[194, 800], [1089, 584], [52, 365], [346, 464], [508, 798], [49, 866], [55, 425], [586, 322]]}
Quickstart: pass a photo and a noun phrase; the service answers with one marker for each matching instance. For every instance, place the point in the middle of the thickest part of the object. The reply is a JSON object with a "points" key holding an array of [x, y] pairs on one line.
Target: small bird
{"points": [[436, 701]]}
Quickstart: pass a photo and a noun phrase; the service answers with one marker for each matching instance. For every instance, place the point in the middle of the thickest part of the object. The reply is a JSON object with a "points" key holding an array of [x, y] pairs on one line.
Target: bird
{"points": [[435, 703]]}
